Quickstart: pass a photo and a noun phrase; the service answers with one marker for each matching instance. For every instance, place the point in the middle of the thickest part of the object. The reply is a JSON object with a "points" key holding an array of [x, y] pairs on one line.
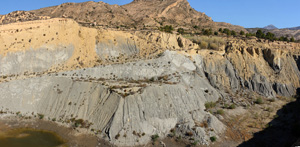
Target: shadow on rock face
{"points": [[282, 131]]}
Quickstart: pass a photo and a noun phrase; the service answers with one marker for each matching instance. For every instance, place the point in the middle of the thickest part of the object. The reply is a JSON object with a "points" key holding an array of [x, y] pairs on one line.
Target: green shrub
{"points": [[220, 111], [259, 101], [210, 105], [213, 138], [242, 33], [180, 30], [249, 34], [207, 32], [270, 36], [233, 33], [41, 116], [154, 137], [226, 106], [195, 143], [292, 39], [167, 28], [232, 106], [227, 31], [260, 34]]}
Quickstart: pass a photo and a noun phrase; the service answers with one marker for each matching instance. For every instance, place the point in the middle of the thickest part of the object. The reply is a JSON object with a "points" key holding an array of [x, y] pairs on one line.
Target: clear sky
{"points": [[247, 13]]}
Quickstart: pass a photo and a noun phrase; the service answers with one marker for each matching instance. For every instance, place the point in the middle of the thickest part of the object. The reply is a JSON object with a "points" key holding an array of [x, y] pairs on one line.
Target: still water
{"points": [[30, 138]]}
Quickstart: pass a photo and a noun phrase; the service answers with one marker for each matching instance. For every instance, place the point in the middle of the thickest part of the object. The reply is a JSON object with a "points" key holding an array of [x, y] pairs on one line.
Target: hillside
{"points": [[294, 28], [289, 32], [139, 14]]}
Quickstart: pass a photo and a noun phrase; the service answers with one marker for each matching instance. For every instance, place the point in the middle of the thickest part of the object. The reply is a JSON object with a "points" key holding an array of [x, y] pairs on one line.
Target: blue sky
{"points": [[247, 13]]}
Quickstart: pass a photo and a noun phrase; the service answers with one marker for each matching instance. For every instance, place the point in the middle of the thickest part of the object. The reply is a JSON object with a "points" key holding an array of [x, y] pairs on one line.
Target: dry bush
{"points": [[203, 45], [213, 46], [207, 42]]}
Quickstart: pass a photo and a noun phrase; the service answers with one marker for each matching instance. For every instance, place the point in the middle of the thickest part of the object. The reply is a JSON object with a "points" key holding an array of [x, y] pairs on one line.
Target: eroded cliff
{"points": [[129, 86]]}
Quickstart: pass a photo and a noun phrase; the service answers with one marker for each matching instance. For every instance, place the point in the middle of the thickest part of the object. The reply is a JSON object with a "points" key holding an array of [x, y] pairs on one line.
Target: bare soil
{"points": [[70, 135]]}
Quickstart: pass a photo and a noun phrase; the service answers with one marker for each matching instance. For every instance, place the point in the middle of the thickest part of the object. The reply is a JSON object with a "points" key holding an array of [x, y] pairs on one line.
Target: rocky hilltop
{"points": [[270, 27], [136, 86], [139, 14]]}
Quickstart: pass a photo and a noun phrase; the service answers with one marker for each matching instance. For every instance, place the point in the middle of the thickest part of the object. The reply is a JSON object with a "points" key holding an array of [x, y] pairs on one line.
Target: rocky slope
{"points": [[128, 86], [139, 14], [106, 82], [20, 16]]}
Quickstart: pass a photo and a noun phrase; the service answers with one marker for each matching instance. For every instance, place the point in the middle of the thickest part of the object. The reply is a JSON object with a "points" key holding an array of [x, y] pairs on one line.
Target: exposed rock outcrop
{"points": [[20, 16]]}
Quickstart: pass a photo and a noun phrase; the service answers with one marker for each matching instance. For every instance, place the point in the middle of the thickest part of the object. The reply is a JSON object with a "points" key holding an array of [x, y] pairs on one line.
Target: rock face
{"points": [[132, 85]]}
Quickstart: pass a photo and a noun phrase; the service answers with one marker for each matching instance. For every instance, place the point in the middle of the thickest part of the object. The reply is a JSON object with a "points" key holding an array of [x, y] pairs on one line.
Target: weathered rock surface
{"points": [[156, 109]]}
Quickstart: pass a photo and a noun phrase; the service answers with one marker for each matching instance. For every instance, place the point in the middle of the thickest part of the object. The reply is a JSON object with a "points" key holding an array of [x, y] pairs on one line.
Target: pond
{"points": [[30, 138]]}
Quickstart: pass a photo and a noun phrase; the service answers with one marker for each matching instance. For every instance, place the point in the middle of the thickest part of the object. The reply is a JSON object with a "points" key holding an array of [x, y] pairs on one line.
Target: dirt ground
{"points": [[69, 135]]}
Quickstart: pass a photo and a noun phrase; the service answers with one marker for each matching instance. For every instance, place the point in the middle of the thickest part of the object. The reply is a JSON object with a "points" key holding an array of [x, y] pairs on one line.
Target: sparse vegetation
{"points": [[232, 106], [269, 109], [207, 32], [220, 111], [167, 28], [242, 33], [213, 138], [207, 42], [117, 136], [41, 116], [227, 32], [233, 33], [180, 30], [195, 143], [209, 105], [259, 101], [270, 36], [154, 137]]}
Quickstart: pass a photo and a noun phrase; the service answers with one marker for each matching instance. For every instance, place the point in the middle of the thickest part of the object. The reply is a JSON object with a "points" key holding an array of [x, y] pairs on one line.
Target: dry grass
{"points": [[241, 128], [207, 42]]}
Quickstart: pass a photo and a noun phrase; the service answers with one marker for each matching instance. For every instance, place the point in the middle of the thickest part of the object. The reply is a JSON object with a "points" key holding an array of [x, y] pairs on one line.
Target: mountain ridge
{"points": [[140, 14]]}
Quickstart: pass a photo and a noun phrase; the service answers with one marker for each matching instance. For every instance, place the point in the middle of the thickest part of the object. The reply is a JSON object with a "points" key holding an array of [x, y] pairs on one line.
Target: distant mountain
{"points": [[294, 28], [270, 27]]}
